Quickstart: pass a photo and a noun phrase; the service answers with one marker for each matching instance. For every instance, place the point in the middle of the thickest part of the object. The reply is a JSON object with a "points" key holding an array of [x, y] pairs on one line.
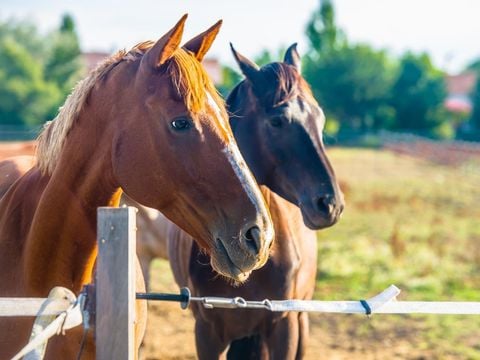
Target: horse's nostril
{"points": [[325, 204], [253, 238]]}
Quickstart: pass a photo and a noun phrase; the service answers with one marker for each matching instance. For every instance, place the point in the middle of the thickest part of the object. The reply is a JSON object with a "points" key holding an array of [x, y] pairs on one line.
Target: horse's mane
{"points": [[287, 84], [187, 74]]}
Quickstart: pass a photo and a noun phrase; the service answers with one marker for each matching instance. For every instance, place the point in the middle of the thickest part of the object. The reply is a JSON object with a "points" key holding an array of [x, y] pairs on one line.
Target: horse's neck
{"points": [[288, 223], [61, 246]]}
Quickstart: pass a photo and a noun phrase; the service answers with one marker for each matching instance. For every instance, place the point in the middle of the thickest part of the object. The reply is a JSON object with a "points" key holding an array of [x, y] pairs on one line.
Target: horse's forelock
{"points": [[288, 84], [192, 81]]}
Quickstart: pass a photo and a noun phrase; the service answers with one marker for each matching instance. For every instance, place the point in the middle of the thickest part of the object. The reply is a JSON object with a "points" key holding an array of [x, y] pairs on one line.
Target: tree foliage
{"points": [[63, 63], [471, 128], [367, 89], [418, 94], [25, 97], [352, 84], [475, 118], [350, 81], [322, 32], [230, 78], [36, 72]]}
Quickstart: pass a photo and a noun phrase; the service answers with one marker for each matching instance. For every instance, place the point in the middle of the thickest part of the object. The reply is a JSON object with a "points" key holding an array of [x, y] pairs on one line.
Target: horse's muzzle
{"points": [[237, 256], [322, 211]]}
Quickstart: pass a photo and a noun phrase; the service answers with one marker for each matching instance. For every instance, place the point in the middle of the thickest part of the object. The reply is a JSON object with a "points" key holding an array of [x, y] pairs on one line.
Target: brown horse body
{"points": [[282, 145], [125, 127], [11, 169]]}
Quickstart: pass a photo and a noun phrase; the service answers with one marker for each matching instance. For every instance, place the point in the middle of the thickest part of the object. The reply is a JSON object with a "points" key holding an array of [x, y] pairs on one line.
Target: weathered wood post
{"points": [[115, 283]]}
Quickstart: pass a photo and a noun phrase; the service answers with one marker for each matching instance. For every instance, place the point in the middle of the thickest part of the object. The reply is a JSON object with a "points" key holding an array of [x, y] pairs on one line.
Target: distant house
{"points": [[459, 89], [92, 59], [214, 69], [213, 66]]}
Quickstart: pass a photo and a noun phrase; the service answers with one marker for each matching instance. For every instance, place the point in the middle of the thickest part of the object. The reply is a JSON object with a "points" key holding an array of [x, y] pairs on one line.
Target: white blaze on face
{"points": [[315, 130], [223, 122], [244, 175], [249, 185]]}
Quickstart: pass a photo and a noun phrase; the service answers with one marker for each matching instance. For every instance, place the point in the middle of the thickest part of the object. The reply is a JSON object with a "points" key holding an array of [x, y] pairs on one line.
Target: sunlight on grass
{"points": [[413, 224]]}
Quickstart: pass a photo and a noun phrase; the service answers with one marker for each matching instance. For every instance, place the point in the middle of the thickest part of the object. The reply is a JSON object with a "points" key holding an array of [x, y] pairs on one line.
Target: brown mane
{"points": [[188, 76], [289, 84]]}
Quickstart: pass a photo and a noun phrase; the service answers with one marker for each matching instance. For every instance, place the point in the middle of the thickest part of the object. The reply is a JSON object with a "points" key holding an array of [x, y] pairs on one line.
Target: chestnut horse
{"points": [[278, 126], [11, 169], [148, 122]]}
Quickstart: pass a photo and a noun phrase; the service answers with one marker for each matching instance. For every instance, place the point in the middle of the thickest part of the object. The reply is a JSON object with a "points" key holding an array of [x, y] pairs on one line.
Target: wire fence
{"points": [[19, 132]]}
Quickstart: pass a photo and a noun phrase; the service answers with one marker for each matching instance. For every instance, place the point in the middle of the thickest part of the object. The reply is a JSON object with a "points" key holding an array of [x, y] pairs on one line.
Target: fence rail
{"points": [[115, 297], [19, 132]]}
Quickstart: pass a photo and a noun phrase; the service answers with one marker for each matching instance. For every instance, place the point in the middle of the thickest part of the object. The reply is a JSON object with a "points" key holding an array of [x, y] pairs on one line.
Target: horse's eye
{"points": [[276, 121], [181, 124]]}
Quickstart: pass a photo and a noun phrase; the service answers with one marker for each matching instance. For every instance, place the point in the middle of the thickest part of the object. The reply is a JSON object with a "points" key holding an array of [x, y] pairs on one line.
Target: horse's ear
{"points": [[200, 44], [292, 57], [164, 48], [248, 67]]}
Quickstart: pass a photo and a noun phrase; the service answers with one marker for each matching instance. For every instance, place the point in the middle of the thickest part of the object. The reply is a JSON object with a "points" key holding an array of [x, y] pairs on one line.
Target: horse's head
{"points": [[278, 126], [173, 150]]}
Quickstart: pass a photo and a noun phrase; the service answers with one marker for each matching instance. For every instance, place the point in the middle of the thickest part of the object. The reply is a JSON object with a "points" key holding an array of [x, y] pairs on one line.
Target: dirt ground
{"points": [[337, 337], [170, 336], [8, 149]]}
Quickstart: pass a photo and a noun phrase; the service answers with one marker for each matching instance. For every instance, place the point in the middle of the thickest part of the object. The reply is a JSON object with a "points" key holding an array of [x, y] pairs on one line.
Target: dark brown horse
{"points": [[278, 126], [147, 122]]}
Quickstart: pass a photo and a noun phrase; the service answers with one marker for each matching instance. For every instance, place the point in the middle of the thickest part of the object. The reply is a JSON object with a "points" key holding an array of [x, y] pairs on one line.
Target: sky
{"points": [[448, 30]]}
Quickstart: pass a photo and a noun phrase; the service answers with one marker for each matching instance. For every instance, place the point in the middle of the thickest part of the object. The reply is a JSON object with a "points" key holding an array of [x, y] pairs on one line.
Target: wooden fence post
{"points": [[115, 283]]}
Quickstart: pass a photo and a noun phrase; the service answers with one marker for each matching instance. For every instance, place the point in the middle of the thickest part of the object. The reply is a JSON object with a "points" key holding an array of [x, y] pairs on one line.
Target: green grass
{"points": [[413, 224]]}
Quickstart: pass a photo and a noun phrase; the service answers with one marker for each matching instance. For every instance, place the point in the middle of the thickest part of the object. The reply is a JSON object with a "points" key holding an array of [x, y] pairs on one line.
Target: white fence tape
{"points": [[59, 312], [383, 303], [69, 310], [15, 306]]}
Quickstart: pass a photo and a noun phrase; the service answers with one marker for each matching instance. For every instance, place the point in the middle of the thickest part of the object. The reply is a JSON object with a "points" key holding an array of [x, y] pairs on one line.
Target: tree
{"points": [[230, 78], [63, 64], [474, 66], [36, 72], [322, 32], [25, 34], [470, 129], [475, 117], [266, 56], [25, 98], [418, 94], [364, 89], [351, 82]]}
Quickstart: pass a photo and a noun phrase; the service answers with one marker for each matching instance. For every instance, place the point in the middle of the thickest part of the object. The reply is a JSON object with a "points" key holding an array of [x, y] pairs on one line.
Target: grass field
{"points": [[407, 222], [413, 224]]}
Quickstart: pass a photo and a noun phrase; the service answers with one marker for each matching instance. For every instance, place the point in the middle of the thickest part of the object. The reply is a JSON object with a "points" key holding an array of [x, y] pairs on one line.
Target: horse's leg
{"points": [[208, 343], [140, 313], [303, 334], [145, 260], [251, 347], [283, 341]]}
